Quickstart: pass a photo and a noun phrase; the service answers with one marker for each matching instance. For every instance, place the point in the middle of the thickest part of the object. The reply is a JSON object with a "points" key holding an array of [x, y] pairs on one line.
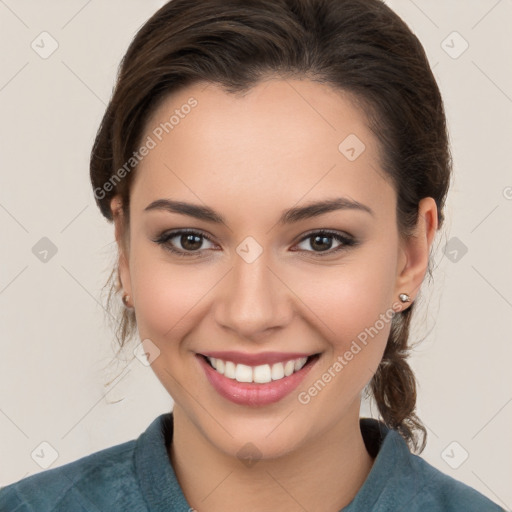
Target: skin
{"points": [[250, 157]]}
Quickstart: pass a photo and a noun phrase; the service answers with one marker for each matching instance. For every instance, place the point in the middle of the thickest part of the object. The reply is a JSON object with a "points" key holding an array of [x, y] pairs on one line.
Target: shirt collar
{"points": [[392, 471], [156, 476], [163, 493]]}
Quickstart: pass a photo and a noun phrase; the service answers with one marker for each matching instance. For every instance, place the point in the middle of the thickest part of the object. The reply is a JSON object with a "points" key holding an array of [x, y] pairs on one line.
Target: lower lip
{"points": [[253, 394]]}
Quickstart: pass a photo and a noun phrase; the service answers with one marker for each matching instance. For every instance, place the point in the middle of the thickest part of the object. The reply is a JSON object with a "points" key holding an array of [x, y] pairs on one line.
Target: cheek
{"points": [[167, 295], [352, 303], [353, 313]]}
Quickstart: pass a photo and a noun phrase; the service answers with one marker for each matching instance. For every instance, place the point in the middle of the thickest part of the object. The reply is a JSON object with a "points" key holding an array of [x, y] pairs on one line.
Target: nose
{"points": [[253, 300]]}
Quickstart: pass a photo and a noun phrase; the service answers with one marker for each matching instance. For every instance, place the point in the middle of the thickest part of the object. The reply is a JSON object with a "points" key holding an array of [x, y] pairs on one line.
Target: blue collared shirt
{"points": [[137, 476]]}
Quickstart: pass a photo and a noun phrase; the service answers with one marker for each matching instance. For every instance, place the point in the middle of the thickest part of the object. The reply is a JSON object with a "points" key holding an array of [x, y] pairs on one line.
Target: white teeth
{"points": [[289, 367], [261, 374], [299, 363], [277, 371], [243, 373], [229, 370]]}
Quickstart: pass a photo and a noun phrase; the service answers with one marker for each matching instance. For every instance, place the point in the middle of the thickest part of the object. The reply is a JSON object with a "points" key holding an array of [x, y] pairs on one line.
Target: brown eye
{"points": [[184, 242], [322, 242], [190, 242]]}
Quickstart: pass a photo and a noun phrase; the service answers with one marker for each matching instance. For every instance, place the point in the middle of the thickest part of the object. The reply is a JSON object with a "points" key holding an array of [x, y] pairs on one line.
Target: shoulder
{"points": [[401, 480], [441, 492], [90, 483]]}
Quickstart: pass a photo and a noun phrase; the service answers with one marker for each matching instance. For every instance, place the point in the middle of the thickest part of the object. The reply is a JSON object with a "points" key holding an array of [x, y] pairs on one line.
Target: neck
{"points": [[323, 476]]}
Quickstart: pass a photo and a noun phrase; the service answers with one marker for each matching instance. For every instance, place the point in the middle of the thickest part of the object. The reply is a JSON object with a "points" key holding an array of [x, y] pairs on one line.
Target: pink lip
{"points": [[256, 359], [250, 393]]}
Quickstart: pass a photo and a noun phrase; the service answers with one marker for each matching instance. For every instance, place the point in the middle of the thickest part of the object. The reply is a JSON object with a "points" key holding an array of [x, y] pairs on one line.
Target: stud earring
{"points": [[126, 298], [404, 297]]}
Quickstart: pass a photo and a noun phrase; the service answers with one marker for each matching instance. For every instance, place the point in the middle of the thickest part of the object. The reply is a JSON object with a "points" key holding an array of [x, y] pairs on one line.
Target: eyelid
{"points": [[164, 238], [346, 240], [326, 231]]}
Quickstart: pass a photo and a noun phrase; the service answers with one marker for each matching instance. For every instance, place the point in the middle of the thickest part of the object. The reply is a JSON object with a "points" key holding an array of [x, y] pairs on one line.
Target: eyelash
{"points": [[346, 241]]}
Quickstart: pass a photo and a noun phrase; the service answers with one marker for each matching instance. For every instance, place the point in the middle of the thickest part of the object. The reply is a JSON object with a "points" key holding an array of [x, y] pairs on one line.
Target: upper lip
{"points": [[256, 359]]}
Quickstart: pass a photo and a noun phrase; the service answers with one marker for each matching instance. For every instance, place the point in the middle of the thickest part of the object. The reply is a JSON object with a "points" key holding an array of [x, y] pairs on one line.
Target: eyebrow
{"points": [[289, 216]]}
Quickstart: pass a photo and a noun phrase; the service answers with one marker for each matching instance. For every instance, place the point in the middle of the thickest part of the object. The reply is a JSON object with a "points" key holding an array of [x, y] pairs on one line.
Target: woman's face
{"points": [[264, 280]]}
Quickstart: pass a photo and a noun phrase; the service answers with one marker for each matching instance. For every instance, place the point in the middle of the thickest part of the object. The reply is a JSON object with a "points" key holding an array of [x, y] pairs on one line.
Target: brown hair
{"points": [[359, 46]]}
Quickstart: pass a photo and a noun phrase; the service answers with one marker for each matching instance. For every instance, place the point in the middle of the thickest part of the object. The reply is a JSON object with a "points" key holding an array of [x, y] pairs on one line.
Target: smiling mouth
{"points": [[260, 374]]}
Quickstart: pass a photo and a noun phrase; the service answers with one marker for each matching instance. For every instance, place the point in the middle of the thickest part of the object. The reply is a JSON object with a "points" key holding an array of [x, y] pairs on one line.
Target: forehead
{"points": [[281, 139]]}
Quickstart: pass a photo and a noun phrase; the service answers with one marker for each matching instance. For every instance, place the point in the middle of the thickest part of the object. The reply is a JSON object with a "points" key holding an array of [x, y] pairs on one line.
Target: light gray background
{"points": [[56, 383]]}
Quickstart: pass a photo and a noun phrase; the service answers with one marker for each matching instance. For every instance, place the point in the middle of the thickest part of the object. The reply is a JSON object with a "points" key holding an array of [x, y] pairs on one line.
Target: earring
{"points": [[126, 298], [404, 297]]}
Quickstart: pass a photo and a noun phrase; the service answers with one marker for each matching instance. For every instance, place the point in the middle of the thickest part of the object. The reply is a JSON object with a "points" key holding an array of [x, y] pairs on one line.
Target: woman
{"points": [[276, 173]]}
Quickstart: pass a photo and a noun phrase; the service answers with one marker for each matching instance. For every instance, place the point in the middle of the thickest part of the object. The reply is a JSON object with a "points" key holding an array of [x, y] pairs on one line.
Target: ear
{"points": [[122, 239], [415, 250]]}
